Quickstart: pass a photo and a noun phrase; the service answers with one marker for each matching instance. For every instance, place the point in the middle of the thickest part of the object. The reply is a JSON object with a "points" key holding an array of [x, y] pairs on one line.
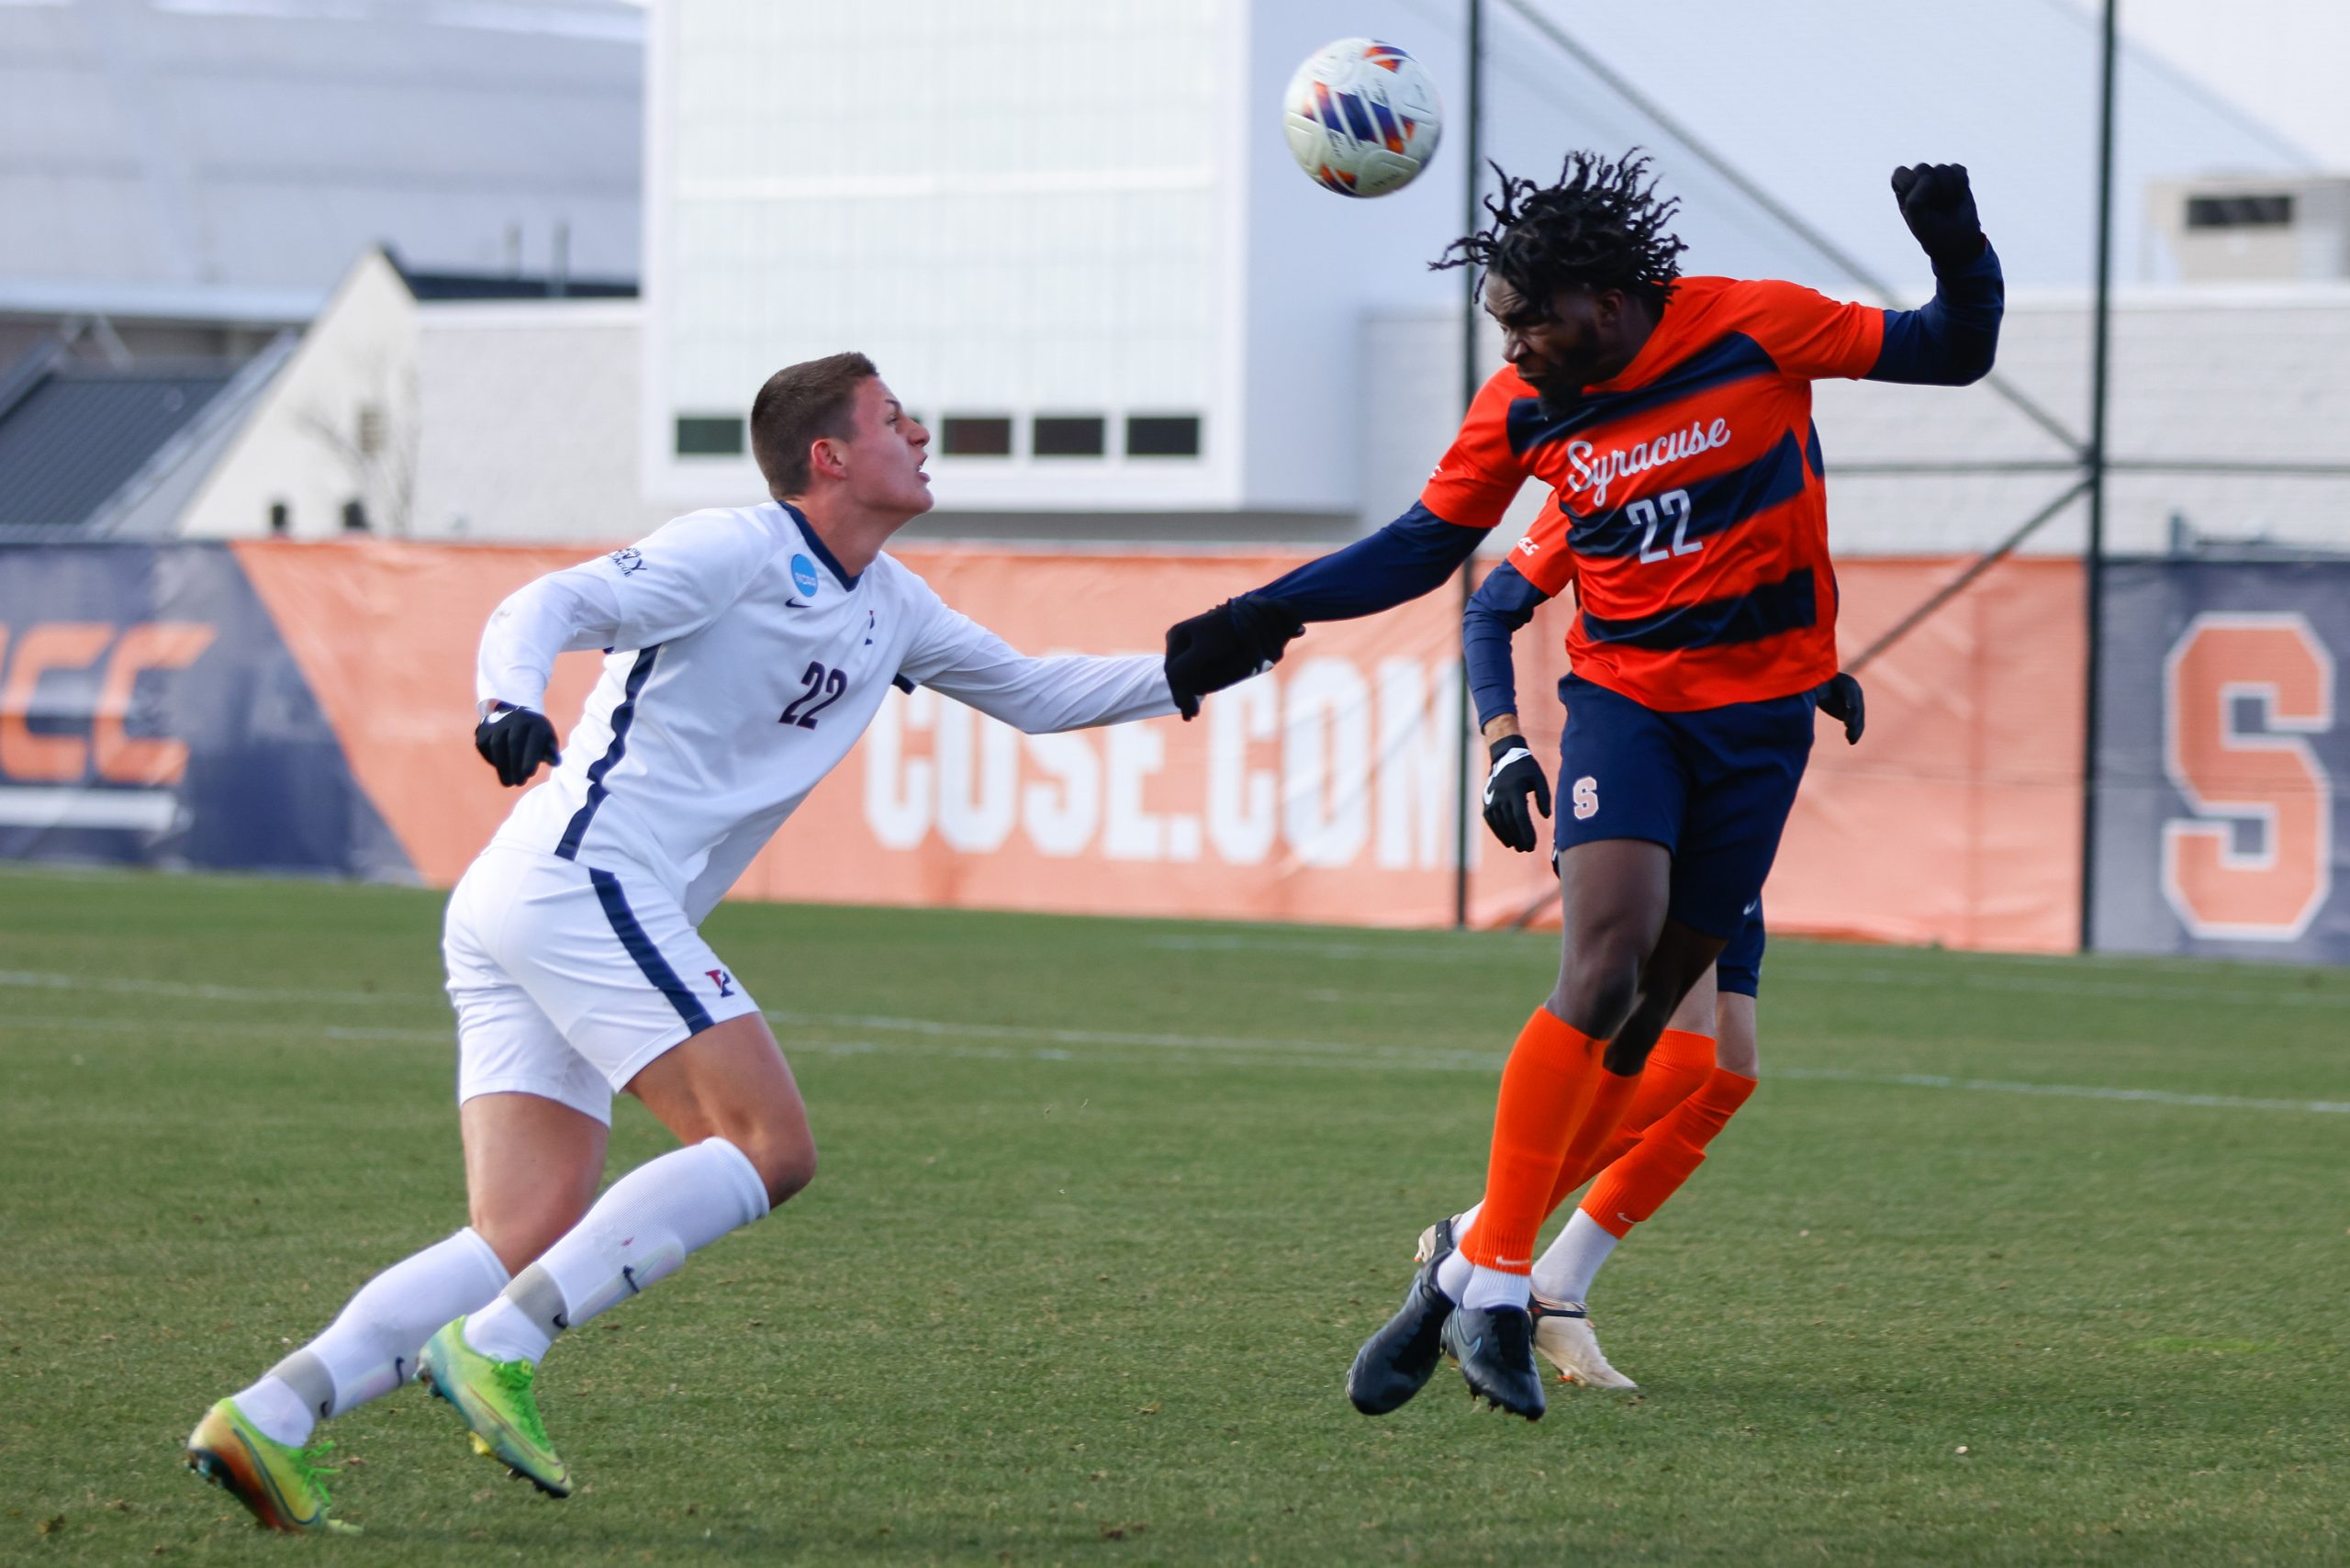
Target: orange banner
{"points": [[1321, 792]]}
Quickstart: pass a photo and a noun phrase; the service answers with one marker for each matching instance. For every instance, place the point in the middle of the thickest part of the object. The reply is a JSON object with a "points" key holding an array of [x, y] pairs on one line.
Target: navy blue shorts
{"points": [[1739, 969], [1713, 787]]}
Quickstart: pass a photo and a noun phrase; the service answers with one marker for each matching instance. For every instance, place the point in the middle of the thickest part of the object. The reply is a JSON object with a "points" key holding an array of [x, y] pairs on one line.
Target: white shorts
{"points": [[568, 980]]}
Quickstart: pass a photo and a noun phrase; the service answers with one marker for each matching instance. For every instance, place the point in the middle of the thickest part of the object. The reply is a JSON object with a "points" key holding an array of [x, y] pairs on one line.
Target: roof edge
{"points": [[207, 303]]}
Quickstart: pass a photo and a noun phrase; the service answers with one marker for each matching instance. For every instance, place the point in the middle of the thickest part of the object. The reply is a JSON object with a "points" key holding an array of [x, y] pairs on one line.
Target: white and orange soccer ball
{"points": [[1362, 117]]}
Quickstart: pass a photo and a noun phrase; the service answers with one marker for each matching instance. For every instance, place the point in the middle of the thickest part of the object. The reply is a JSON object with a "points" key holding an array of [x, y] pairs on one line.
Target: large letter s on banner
{"points": [[2265, 775]]}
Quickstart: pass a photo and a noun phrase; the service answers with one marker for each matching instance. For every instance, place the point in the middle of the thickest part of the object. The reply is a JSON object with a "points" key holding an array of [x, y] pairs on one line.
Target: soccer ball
{"points": [[1362, 117]]}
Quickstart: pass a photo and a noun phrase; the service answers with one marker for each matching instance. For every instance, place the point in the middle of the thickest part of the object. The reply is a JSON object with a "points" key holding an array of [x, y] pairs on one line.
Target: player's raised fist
{"points": [[514, 741], [1226, 645], [1939, 205]]}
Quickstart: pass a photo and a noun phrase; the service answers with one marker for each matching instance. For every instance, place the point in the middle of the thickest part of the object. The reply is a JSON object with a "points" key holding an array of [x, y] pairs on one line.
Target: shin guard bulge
{"points": [[370, 1348], [1675, 1068], [1547, 1085], [638, 1233], [1667, 1155]]}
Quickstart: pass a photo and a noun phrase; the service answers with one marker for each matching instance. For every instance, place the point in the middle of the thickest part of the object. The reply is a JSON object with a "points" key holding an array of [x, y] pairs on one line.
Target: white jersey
{"points": [[742, 665]]}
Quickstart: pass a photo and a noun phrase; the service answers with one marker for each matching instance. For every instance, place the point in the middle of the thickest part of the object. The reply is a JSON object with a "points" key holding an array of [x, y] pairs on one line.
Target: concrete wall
{"points": [[528, 421]]}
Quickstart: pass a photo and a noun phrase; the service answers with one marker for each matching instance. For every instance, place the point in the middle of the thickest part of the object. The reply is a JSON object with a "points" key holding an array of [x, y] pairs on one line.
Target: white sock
{"points": [[370, 1348], [1491, 1288], [637, 1235], [1452, 1274], [1565, 1272], [281, 1413]]}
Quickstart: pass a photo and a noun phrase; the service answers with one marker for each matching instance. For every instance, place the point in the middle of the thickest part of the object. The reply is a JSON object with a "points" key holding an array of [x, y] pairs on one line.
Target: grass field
{"points": [[1106, 1207]]}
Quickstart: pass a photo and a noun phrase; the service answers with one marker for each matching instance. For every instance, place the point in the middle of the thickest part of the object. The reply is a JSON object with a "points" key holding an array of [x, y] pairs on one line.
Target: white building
{"points": [[1070, 232]]}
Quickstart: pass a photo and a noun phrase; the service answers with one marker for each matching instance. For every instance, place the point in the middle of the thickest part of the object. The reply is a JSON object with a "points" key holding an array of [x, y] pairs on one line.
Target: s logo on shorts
{"points": [[1586, 798]]}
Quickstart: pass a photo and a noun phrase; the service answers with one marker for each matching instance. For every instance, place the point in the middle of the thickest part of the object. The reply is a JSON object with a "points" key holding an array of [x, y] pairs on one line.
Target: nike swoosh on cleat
{"points": [[269, 1482]]}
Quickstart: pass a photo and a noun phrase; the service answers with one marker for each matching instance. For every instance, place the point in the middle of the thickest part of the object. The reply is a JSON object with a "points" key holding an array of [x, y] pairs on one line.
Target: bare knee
{"points": [[1738, 1048], [518, 1234], [1600, 981], [785, 1159], [776, 1140]]}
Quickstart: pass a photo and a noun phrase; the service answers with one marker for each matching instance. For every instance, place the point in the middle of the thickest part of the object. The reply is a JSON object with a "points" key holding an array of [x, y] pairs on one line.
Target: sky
{"points": [[2279, 59]]}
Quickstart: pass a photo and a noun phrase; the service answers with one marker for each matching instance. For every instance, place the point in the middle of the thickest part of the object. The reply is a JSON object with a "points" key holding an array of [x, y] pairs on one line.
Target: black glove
{"points": [[1226, 645], [1939, 209], [1514, 775], [1840, 697], [514, 741]]}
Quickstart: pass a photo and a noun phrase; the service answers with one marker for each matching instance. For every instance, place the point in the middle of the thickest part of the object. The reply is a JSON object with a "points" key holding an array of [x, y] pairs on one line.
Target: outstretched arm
{"points": [[1243, 636], [1416, 552], [1469, 490], [963, 659]]}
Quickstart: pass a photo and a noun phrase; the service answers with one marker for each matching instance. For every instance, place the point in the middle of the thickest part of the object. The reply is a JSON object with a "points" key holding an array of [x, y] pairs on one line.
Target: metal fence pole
{"points": [[2093, 552], [1465, 741]]}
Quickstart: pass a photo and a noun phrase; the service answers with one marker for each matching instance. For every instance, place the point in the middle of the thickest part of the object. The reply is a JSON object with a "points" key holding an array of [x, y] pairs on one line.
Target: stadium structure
{"points": [[1170, 343]]}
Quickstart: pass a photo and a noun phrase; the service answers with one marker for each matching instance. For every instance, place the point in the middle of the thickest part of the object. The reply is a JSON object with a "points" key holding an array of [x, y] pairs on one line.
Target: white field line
{"points": [[2125, 990], [1794, 972], [1506, 947], [2062, 1091], [187, 990], [1189, 1049], [221, 1027], [1489, 1061]]}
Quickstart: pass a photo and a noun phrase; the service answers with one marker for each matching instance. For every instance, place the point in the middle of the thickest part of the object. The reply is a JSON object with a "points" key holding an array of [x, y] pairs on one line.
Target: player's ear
{"points": [[828, 455]]}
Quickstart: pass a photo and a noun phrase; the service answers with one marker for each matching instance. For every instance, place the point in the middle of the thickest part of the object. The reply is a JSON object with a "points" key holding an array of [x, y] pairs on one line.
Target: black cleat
{"points": [[1496, 1348], [1397, 1362]]}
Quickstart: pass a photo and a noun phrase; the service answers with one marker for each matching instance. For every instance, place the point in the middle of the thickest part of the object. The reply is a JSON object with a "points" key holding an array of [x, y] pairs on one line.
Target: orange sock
{"points": [[1676, 1067], [1552, 1074], [1599, 1124], [1635, 1186]]}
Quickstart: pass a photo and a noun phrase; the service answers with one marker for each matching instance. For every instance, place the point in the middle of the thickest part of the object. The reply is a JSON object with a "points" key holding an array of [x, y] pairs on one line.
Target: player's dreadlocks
{"points": [[1601, 226]]}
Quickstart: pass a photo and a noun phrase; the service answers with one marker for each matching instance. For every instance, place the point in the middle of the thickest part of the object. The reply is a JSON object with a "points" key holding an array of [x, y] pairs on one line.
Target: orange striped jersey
{"points": [[1688, 509]]}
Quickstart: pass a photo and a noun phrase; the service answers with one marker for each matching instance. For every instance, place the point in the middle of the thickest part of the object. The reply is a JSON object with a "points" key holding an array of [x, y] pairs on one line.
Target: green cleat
{"points": [[284, 1487], [496, 1402]]}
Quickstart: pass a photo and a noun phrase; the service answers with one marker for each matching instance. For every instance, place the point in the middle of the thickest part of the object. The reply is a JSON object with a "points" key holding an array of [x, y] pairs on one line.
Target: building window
{"points": [[1162, 435], [2240, 211], [977, 435], [371, 431], [1068, 435], [709, 435]]}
